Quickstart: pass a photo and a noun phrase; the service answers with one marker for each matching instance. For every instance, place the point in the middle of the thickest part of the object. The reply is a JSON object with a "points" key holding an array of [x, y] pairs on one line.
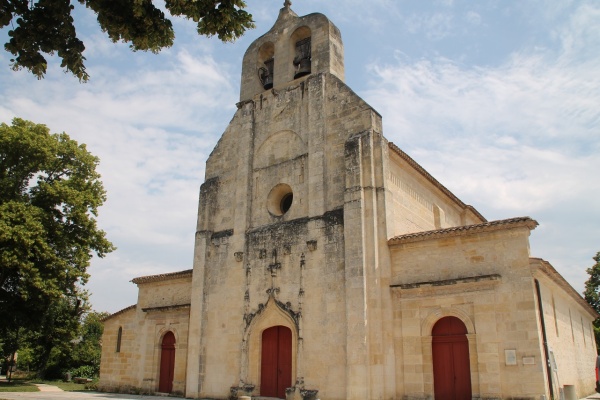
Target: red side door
{"points": [[276, 362], [167, 363], [451, 365]]}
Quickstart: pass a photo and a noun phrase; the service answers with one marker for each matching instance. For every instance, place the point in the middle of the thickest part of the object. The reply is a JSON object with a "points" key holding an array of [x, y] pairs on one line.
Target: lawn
{"points": [[22, 385], [17, 386]]}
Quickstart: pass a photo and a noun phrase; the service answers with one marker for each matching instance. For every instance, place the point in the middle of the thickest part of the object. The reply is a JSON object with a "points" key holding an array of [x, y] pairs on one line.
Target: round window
{"points": [[280, 199]]}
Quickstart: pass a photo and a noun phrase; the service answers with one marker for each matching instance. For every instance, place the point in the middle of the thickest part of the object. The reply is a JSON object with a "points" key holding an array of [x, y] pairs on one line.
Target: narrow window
{"points": [[119, 334], [583, 333], [572, 331], [555, 319]]}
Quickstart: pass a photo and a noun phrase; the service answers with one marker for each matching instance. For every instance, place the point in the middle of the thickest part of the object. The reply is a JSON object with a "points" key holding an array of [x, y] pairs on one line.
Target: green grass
{"points": [[18, 385], [23, 385]]}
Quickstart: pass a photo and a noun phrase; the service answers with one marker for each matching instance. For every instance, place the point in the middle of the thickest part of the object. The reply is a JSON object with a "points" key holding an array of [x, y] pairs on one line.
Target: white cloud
{"points": [[520, 138], [153, 130], [473, 18]]}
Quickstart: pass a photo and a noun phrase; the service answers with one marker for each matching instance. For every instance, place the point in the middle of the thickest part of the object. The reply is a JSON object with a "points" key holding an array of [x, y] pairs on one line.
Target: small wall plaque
{"points": [[510, 357], [528, 360]]}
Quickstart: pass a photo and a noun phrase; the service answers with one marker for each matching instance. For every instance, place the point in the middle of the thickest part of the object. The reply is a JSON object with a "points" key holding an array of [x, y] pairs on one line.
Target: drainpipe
{"points": [[546, 351]]}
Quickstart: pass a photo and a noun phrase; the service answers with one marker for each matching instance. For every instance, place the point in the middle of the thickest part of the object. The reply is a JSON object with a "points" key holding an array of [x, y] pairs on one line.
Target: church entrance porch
{"points": [[276, 362], [451, 368]]}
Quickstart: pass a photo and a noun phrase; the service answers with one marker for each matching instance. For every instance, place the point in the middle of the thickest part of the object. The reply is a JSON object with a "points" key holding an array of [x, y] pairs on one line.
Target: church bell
{"points": [[302, 59], [265, 74]]}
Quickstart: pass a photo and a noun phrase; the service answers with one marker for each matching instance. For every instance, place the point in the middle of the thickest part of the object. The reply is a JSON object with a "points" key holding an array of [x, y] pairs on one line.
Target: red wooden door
{"points": [[451, 366], [276, 362], [167, 363]]}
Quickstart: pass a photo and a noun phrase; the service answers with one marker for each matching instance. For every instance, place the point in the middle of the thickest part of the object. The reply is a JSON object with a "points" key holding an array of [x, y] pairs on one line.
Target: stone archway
{"points": [[427, 325], [167, 363], [451, 362], [271, 316]]}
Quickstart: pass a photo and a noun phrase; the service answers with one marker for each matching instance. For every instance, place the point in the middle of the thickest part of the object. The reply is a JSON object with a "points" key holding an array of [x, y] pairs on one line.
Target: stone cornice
{"points": [[446, 282], [547, 269], [434, 181], [163, 277], [166, 308], [132, 307], [491, 226]]}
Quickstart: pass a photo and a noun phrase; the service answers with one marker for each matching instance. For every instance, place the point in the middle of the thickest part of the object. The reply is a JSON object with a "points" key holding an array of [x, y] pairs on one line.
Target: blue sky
{"points": [[499, 100]]}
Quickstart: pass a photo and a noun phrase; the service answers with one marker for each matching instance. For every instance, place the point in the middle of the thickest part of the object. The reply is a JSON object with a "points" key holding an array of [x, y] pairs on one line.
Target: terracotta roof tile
{"points": [[547, 268], [119, 312], [162, 277], [465, 229]]}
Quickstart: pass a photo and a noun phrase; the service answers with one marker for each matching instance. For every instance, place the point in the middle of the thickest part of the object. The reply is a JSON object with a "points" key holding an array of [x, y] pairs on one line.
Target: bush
{"points": [[85, 371]]}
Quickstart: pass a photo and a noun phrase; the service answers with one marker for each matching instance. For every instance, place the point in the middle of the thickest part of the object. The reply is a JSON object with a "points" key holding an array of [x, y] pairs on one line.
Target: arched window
{"points": [[119, 334], [266, 65], [301, 49]]}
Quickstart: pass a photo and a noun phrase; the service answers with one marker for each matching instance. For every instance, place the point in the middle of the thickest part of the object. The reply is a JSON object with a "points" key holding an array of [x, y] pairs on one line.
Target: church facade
{"points": [[329, 264]]}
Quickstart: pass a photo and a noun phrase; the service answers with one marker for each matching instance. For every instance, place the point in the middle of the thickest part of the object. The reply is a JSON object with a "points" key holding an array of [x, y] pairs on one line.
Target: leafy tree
{"points": [[49, 197], [592, 294], [46, 26], [52, 341], [88, 347]]}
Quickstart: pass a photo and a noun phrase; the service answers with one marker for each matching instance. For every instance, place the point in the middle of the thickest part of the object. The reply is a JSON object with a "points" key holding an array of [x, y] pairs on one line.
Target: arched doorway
{"points": [[276, 361], [451, 366], [167, 363]]}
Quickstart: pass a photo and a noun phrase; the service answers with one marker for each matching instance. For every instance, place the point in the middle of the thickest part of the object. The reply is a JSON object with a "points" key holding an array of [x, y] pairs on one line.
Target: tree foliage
{"points": [[592, 294], [47, 26], [50, 193]]}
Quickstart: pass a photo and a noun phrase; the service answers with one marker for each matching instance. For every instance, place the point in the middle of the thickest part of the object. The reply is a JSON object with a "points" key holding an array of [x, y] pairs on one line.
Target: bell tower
{"points": [[290, 230], [295, 47]]}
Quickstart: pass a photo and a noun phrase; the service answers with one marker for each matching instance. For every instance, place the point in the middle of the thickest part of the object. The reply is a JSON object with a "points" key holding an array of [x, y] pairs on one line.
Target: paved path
{"points": [[47, 388], [59, 394]]}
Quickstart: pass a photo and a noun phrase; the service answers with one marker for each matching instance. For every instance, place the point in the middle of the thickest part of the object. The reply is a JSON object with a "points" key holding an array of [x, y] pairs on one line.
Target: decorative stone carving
{"points": [[273, 268], [312, 245], [262, 253], [243, 389], [239, 256], [298, 391], [309, 394]]}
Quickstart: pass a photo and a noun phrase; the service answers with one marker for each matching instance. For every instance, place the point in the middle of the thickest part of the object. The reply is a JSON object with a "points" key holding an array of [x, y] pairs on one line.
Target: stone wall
{"points": [[569, 331], [163, 306], [483, 278]]}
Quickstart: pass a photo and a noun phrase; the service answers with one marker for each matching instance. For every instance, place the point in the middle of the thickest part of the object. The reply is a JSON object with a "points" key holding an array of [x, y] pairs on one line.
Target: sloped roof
{"points": [[132, 307], [163, 277], [465, 229], [432, 180], [547, 268]]}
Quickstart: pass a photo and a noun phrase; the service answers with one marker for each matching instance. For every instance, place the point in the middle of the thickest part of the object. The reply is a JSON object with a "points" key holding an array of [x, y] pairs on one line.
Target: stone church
{"points": [[329, 264]]}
